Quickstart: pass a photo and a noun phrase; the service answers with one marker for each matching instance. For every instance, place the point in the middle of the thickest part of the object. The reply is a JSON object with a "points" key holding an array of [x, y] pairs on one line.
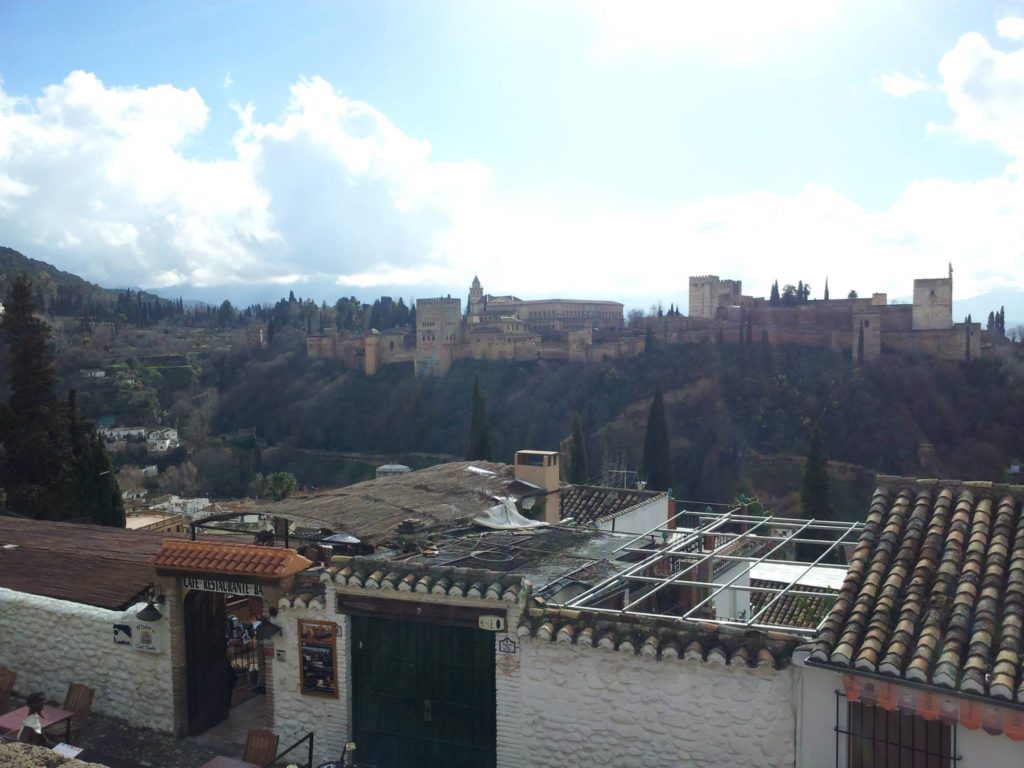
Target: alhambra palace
{"points": [[510, 328]]}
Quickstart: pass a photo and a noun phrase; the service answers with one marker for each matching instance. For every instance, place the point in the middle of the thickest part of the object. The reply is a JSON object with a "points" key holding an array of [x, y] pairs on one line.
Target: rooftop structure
{"points": [[729, 568]]}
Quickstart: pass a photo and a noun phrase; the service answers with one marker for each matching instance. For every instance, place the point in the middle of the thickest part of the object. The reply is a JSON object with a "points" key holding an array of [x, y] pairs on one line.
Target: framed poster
{"points": [[318, 667]]}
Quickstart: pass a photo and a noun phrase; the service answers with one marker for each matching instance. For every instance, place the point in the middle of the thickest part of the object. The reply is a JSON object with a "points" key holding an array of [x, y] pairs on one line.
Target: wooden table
{"points": [[228, 762], [50, 716]]}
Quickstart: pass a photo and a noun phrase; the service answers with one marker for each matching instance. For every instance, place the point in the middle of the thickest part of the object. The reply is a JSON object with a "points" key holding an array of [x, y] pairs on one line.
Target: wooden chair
{"points": [[6, 685], [260, 747], [79, 701]]}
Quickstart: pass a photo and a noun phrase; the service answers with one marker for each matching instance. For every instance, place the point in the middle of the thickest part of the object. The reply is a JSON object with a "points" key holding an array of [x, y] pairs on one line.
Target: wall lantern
{"points": [[150, 612]]}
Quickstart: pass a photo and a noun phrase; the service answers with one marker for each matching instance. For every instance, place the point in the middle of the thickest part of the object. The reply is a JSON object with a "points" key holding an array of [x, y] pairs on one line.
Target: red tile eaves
{"points": [[229, 559]]}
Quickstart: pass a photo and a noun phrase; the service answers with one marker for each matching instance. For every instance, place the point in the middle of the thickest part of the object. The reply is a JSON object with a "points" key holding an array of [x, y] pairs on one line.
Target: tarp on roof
{"points": [[505, 516]]}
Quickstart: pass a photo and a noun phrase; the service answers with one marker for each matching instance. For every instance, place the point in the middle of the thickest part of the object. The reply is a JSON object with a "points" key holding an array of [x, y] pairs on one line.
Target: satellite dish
{"points": [[528, 502]]}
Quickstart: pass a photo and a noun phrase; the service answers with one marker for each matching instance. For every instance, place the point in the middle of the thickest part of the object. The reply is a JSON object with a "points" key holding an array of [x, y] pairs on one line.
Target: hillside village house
{"points": [[467, 633]]}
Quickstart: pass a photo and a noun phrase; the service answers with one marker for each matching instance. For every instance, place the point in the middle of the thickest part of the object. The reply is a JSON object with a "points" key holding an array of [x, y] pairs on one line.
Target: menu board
{"points": [[318, 654]]}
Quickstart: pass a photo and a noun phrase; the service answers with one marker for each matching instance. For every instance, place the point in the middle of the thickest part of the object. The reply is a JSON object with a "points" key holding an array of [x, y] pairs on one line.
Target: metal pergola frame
{"points": [[740, 538]]}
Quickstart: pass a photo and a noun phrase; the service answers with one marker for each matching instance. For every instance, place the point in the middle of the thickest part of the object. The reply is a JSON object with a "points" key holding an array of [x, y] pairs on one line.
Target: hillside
{"points": [[733, 412], [57, 291]]}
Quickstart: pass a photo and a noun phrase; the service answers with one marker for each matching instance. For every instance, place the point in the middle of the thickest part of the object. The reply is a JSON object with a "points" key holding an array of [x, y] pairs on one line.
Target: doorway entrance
{"points": [[209, 675], [422, 694]]}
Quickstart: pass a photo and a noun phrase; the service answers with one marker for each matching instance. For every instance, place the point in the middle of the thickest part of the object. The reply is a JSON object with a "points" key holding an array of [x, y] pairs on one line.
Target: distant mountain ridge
{"points": [[51, 282]]}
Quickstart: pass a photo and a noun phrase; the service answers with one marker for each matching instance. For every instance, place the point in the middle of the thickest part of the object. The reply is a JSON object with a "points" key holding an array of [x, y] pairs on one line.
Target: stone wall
{"points": [[53, 643], [570, 705]]}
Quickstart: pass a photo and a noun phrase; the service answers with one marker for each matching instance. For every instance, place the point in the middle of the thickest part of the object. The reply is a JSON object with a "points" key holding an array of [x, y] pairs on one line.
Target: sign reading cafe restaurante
{"points": [[227, 586]]}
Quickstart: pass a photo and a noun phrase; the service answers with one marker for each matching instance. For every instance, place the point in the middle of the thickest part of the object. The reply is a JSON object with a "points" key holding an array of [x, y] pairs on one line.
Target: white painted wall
{"points": [[51, 643], [982, 750], [569, 705], [296, 714], [816, 715], [816, 736], [641, 519]]}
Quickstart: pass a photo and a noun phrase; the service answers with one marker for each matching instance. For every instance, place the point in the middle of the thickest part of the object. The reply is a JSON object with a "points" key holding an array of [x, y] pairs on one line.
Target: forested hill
{"points": [[57, 291], [728, 408]]}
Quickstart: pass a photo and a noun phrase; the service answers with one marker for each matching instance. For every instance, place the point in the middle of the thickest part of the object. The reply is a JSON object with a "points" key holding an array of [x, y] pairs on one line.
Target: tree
{"points": [[578, 470], [826, 289], [479, 448], [656, 466], [98, 496], [36, 469], [53, 466], [851, 295], [774, 297], [814, 492], [280, 485]]}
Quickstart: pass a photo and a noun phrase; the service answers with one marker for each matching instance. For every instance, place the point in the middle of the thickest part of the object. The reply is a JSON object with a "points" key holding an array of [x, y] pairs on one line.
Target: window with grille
{"points": [[877, 738]]}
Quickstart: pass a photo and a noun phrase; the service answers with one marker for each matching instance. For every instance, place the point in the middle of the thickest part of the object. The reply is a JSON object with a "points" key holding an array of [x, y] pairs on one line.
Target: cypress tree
{"points": [[578, 470], [814, 492], [479, 448], [656, 466], [860, 345], [98, 496], [774, 297], [54, 466], [36, 468]]}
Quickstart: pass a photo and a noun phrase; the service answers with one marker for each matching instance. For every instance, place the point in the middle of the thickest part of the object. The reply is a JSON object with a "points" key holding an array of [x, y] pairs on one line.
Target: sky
{"points": [[561, 148]]}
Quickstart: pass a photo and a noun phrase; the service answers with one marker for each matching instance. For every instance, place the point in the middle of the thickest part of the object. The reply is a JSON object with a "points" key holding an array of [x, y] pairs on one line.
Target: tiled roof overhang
{"points": [[376, 574], [240, 560], [934, 592], [690, 641]]}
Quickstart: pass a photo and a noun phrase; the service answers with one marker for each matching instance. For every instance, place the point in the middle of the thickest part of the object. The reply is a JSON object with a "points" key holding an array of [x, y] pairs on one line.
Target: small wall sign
{"points": [[492, 623], [506, 645], [122, 634], [146, 638]]}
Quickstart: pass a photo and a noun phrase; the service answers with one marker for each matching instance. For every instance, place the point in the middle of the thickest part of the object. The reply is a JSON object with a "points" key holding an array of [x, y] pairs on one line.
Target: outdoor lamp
{"points": [[150, 612], [267, 629]]}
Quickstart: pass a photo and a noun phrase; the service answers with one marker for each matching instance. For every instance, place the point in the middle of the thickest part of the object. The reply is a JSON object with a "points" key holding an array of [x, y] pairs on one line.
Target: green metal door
{"points": [[422, 694]]}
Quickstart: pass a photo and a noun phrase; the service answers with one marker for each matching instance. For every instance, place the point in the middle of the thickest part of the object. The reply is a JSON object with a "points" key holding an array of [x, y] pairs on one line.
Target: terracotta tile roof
{"points": [[689, 641], [375, 573], [228, 559], [790, 610], [590, 503], [934, 592]]}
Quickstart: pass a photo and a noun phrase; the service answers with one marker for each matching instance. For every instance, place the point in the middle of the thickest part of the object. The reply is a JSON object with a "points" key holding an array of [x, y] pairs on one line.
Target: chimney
{"points": [[412, 534], [540, 468]]}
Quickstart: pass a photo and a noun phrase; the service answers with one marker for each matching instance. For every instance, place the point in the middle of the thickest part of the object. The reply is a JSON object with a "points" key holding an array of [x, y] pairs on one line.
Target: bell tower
{"points": [[476, 299]]}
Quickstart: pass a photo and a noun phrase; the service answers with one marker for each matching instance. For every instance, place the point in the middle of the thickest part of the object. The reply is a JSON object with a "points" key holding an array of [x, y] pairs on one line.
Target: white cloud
{"points": [[1011, 28], [899, 85], [331, 188], [228, 80], [983, 86], [332, 194]]}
